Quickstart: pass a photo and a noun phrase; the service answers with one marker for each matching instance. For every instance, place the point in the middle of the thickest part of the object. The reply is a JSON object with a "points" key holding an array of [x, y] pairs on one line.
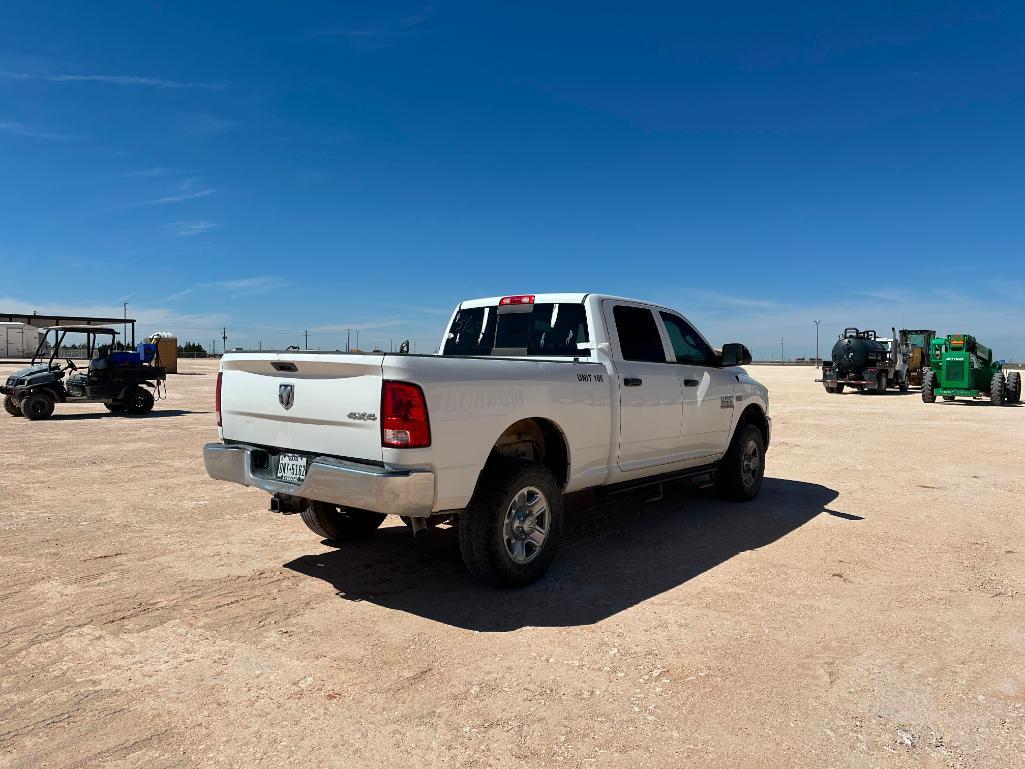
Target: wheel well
{"points": [[538, 440], [753, 415]]}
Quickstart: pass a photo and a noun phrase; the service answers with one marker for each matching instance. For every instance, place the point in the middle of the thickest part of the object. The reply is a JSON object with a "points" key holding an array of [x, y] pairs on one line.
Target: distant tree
{"points": [[191, 348]]}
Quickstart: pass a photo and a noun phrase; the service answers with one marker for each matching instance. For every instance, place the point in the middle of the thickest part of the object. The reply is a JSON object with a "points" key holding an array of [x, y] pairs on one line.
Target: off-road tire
{"points": [[139, 401], [929, 387], [12, 407], [340, 524], [735, 478], [37, 405], [996, 389], [1012, 383], [482, 528]]}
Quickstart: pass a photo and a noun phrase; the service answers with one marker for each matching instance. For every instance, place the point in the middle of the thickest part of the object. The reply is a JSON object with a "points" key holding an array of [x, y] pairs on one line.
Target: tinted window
{"points": [[688, 347], [544, 329], [472, 332], [638, 334]]}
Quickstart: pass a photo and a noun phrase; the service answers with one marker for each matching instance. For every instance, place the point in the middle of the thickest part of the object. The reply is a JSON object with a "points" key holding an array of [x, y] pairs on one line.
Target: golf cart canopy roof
{"points": [[84, 329]]}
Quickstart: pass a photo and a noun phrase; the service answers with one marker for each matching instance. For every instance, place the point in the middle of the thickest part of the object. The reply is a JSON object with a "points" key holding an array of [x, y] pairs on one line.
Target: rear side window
{"points": [[544, 329], [638, 335], [688, 347]]}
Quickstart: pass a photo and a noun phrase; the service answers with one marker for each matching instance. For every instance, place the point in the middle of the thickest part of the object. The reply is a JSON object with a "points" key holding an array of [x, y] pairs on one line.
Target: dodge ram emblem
{"points": [[286, 395]]}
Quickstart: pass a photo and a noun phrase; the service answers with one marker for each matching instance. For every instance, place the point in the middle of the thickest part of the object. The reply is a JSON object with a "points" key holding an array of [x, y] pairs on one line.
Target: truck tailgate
{"points": [[313, 403]]}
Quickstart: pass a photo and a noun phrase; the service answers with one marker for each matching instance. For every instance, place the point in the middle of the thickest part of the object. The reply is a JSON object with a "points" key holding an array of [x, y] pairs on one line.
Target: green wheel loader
{"points": [[961, 367]]}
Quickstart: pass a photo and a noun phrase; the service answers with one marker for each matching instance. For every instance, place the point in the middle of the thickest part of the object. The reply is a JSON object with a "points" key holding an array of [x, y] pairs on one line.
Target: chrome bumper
{"points": [[349, 484]]}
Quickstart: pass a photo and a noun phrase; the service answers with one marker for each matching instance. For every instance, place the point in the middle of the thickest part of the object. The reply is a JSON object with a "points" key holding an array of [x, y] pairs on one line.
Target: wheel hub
{"points": [[526, 524]]}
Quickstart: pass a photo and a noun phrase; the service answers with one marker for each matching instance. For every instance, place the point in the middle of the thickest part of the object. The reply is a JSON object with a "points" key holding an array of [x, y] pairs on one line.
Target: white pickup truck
{"points": [[530, 397]]}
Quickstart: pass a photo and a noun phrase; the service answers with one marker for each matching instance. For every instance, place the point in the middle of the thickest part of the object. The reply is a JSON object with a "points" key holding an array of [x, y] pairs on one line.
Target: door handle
{"points": [[690, 382], [632, 382]]}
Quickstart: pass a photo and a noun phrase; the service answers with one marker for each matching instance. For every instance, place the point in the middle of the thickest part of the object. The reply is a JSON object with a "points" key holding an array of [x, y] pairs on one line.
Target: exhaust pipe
{"points": [[419, 526]]}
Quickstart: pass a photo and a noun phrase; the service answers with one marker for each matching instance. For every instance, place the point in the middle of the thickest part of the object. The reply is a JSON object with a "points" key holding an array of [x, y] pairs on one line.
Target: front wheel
{"points": [[996, 389], [740, 473], [12, 407], [509, 533], [38, 405], [340, 524], [929, 387]]}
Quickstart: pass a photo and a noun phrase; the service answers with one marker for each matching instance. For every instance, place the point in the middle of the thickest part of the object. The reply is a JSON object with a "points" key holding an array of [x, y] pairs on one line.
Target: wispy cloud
{"points": [[19, 129], [404, 27], [178, 295], [262, 284], [179, 198], [121, 80], [187, 229], [341, 328], [145, 173]]}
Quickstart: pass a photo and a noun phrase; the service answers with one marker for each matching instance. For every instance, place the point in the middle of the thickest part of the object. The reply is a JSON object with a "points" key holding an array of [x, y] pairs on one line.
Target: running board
{"points": [[702, 477]]}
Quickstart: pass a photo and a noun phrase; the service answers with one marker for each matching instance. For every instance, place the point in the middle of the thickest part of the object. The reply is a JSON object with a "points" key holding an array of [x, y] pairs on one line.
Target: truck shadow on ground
{"points": [[71, 417], [615, 554]]}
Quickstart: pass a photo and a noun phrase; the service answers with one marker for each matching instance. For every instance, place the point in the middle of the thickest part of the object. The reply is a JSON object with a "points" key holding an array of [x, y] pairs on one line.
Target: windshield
{"points": [[545, 329]]}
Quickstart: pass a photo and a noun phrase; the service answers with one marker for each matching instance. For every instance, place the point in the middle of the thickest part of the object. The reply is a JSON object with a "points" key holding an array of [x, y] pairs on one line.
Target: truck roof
{"points": [[554, 298]]}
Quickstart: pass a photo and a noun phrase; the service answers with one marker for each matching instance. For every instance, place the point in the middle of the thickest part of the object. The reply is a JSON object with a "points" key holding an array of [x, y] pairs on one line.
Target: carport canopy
{"points": [[47, 321]]}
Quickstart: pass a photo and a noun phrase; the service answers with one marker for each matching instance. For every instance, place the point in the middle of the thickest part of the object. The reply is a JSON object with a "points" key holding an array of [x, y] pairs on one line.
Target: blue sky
{"points": [[326, 166]]}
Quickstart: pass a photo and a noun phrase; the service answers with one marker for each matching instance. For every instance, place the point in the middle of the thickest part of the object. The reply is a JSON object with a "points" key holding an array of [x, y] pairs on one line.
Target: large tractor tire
{"points": [[340, 524], [139, 401], [509, 533], [38, 405], [996, 389], [1012, 386], [929, 387], [12, 407]]}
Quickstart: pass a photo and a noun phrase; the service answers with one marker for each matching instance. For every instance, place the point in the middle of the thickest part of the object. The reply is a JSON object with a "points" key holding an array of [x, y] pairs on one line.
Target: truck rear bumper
{"points": [[349, 484]]}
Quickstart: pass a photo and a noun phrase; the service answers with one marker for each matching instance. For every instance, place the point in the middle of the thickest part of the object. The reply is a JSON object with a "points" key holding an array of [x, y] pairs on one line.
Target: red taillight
{"points": [[217, 399], [520, 299], [404, 422]]}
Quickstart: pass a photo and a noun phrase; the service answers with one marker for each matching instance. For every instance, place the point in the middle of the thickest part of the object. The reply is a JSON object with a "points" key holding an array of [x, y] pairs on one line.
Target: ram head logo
{"points": [[286, 396]]}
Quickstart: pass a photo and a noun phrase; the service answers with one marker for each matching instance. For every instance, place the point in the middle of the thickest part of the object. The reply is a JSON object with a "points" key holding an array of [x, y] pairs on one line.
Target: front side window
{"points": [[688, 347], [639, 339]]}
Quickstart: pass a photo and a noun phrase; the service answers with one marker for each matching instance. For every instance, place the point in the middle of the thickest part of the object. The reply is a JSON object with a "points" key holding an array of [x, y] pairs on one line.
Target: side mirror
{"points": [[735, 354]]}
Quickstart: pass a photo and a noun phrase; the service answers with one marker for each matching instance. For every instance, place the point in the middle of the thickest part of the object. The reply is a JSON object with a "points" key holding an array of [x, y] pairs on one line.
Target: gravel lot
{"points": [[867, 610]]}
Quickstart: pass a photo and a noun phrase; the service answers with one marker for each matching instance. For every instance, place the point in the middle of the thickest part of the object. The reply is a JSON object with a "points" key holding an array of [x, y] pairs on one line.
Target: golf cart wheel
{"points": [[340, 524], [1012, 383], [37, 406], [929, 387], [996, 389], [11, 406], [509, 533], [139, 401]]}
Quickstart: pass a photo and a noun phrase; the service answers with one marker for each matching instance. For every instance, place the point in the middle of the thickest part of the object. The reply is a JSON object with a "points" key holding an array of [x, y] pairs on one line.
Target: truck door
{"points": [[708, 407], [649, 389]]}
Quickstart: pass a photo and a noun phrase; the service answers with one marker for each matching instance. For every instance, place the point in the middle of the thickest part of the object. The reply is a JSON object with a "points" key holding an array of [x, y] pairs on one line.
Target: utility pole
{"points": [[357, 338], [213, 347], [124, 329], [347, 332], [259, 345], [224, 339], [306, 336], [818, 363], [782, 360]]}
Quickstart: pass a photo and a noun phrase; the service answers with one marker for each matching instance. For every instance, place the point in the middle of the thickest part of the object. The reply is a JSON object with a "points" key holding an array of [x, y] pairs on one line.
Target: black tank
{"points": [[855, 350]]}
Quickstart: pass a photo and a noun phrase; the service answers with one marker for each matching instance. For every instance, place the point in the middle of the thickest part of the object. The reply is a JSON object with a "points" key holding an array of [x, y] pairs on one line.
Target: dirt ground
{"points": [[867, 610]]}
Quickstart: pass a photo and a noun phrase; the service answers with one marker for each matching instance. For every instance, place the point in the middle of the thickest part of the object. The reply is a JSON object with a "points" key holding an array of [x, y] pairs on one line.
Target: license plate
{"points": [[292, 468]]}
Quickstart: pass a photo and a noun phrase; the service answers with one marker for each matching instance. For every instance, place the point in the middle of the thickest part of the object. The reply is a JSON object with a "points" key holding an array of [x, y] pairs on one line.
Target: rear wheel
{"points": [[881, 383], [740, 473], [509, 533], [996, 389], [38, 405], [139, 401], [1012, 384], [340, 524], [12, 407], [929, 387]]}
